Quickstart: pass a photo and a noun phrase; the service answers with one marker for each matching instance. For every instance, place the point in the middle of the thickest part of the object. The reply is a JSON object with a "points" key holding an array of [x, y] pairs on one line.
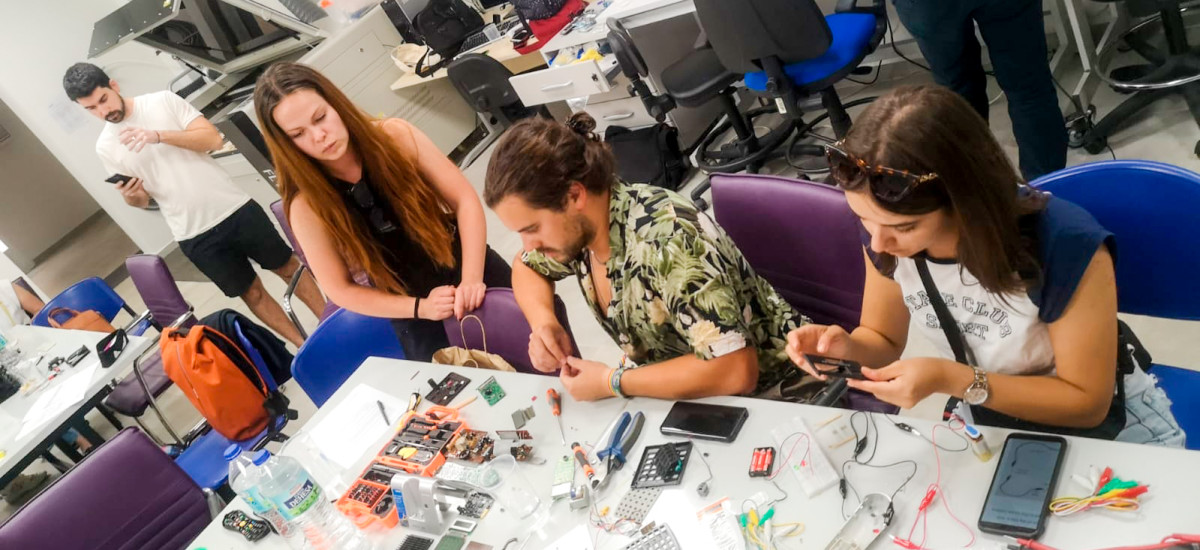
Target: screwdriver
{"points": [[556, 409], [581, 457]]}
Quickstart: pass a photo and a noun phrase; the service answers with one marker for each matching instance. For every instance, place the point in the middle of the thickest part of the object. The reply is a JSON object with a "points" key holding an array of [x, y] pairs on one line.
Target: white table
{"points": [[19, 453], [1172, 474]]}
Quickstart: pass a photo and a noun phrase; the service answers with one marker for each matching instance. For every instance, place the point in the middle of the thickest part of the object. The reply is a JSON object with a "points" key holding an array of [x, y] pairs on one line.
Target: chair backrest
{"points": [[335, 350], [503, 327], [91, 293], [157, 288], [277, 210], [1151, 208], [629, 57], [482, 82], [801, 237], [746, 31], [126, 493]]}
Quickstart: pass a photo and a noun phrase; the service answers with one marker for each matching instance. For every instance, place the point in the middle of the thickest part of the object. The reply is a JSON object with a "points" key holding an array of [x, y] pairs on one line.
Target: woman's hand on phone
{"points": [[830, 340]]}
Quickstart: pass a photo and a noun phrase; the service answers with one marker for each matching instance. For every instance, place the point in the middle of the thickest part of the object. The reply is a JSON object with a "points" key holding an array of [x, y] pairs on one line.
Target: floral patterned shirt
{"points": [[679, 286]]}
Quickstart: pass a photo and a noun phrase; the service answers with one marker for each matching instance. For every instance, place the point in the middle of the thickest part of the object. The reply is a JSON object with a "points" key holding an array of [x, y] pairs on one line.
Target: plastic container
{"points": [[245, 477], [305, 506]]}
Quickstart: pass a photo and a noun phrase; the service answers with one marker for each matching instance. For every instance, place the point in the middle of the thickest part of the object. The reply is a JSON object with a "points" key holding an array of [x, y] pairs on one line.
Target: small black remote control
{"points": [[249, 527]]}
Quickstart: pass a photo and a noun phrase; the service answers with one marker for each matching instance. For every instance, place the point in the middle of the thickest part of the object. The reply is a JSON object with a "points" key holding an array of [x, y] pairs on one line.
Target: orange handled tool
{"points": [[581, 458], [556, 409]]}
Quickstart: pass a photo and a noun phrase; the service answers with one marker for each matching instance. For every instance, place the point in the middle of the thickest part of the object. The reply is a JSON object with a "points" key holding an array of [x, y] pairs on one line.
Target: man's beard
{"points": [[585, 231]]}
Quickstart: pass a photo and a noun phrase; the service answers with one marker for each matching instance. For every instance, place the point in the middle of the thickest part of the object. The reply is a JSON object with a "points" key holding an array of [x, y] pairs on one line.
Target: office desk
{"points": [[19, 453], [500, 50], [1169, 509]]}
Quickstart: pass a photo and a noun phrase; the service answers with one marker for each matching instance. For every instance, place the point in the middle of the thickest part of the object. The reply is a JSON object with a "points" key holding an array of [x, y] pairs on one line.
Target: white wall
{"points": [[40, 39], [42, 202]]}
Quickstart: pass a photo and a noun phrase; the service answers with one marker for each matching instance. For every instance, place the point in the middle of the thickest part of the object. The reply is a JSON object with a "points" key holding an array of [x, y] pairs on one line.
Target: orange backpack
{"points": [[196, 360]]}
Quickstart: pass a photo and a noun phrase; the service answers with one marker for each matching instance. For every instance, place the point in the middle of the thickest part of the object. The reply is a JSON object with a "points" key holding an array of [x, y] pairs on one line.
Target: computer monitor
{"points": [[226, 36]]}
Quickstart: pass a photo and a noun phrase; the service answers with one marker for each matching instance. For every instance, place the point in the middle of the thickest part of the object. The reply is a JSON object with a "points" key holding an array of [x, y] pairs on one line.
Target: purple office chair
{"points": [[803, 239], [330, 307], [126, 494], [506, 330], [133, 395]]}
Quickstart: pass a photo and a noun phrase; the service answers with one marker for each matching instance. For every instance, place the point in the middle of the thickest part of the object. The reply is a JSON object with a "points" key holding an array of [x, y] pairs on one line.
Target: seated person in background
{"points": [[663, 280], [376, 196], [17, 307], [1028, 279]]}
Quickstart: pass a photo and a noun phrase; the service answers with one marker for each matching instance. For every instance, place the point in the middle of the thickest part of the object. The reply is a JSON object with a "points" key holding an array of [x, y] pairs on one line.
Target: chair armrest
{"points": [[145, 316], [183, 319]]}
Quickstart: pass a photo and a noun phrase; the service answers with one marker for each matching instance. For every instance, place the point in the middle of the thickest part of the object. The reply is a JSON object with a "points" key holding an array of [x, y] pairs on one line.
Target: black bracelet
{"points": [[417, 308]]}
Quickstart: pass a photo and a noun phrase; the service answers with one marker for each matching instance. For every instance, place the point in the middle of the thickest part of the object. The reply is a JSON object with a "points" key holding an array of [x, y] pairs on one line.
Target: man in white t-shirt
{"points": [[159, 144]]}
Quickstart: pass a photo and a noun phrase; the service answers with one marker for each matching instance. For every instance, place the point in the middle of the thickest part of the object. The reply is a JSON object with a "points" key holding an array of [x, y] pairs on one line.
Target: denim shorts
{"points": [[1148, 417]]}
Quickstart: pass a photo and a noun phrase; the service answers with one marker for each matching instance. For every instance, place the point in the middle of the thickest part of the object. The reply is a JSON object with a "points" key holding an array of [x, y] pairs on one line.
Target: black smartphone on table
{"points": [[704, 421], [1018, 501], [836, 368], [118, 179]]}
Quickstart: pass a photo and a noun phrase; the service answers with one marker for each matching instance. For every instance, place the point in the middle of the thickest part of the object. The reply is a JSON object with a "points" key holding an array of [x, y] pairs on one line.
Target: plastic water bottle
{"points": [[305, 506], [245, 477]]}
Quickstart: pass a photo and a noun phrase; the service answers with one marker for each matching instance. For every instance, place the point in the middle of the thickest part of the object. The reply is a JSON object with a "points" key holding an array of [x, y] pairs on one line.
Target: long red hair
{"points": [[394, 177]]}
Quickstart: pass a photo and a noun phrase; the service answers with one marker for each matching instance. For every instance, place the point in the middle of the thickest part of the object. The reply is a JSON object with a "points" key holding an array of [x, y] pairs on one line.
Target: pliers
{"points": [[625, 431]]}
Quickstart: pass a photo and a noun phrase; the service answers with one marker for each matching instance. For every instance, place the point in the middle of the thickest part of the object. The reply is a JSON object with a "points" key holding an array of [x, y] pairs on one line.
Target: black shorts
{"points": [[223, 253]]}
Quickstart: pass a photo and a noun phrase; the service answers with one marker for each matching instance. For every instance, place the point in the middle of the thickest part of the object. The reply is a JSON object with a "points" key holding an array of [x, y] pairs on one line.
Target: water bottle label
{"points": [[301, 499]]}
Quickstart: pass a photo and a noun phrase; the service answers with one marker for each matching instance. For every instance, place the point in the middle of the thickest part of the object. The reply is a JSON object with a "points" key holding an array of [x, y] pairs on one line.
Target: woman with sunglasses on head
{"points": [[376, 197], [1027, 279]]}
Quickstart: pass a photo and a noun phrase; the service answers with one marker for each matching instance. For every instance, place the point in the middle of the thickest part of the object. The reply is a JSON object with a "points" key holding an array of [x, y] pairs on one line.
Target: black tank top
{"points": [[418, 272]]}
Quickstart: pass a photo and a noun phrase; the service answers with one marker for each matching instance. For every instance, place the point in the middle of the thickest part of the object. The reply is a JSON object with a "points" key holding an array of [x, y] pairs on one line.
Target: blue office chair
{"points": [[1151, 209], [94, 294], [335, 350], [786, 50], [204, 457]]}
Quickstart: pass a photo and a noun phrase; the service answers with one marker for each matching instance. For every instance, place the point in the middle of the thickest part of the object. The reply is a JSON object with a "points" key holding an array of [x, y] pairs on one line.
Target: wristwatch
{"points": [[977, 392]]}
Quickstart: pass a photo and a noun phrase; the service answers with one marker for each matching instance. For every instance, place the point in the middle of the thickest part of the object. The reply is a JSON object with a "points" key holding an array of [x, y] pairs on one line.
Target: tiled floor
{"points": [[1165, 133]]}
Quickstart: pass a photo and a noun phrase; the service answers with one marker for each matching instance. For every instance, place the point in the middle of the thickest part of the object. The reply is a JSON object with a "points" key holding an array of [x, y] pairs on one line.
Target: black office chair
{"points": [[1173, 70], [692, 82], [483, 83]]}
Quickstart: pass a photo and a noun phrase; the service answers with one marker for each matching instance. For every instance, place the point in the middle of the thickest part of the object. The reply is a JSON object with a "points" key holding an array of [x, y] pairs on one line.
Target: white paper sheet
{"points": [[575, 539], [57, 398], [351, 429]]}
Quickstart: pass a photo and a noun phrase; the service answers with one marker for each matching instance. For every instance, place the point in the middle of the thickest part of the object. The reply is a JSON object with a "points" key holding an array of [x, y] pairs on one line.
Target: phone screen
{"points": [[1021, 488], [704, 421]]}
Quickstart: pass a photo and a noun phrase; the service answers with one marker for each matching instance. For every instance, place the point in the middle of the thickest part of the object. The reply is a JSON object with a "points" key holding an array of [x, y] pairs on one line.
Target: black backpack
{"points": [[648, 155], [445, 25]]}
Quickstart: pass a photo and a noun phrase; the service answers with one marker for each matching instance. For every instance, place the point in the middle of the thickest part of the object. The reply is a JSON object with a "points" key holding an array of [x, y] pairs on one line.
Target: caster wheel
{"points": [[701, 204], [1196, 150], [1095, 146]]}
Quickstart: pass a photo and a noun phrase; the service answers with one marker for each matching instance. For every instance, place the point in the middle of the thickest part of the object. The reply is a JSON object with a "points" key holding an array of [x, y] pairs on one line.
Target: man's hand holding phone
{"points": [[133, 193]]}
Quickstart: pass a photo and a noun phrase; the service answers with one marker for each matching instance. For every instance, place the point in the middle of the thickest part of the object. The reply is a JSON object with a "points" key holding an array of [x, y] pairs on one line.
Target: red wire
{"points": [[807, 449], [931, 493]]}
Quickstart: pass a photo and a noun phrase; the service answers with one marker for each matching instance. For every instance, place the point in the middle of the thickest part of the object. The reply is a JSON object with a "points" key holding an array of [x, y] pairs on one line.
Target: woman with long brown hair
{"points": [[1016, 288], [376, 197]]}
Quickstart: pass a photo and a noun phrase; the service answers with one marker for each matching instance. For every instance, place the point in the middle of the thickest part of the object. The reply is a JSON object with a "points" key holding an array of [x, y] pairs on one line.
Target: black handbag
{"points": [[1112, 424], [444, 25], [648, 155], [534, 10]]}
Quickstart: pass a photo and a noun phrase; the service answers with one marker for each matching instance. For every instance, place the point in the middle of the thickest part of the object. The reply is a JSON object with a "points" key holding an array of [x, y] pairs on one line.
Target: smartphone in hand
{"points": [[119, 179], [837, 368]]}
